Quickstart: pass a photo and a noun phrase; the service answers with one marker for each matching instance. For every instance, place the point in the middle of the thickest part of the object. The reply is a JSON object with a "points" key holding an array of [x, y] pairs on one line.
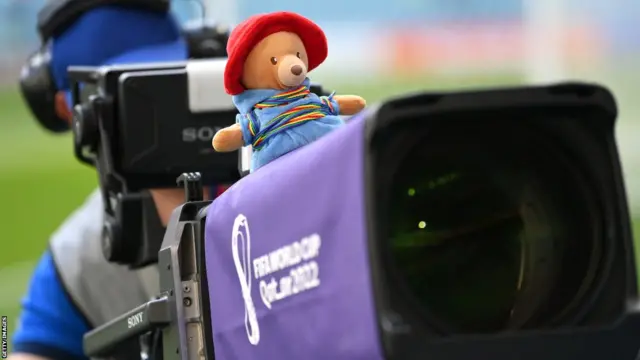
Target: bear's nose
{"points": [[296, 70]]}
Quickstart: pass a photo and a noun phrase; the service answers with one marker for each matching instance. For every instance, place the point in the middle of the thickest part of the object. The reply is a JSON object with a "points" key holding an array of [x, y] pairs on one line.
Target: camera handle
{"points": [[192, 184], [102, 341]]}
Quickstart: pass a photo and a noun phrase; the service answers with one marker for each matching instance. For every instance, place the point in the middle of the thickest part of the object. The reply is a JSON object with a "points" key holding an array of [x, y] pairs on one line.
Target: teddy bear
{"points": [[269, 57]]}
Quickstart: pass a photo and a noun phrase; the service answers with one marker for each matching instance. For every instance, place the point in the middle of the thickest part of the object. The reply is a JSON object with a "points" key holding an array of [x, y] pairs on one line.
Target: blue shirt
{"points": [[289, 139], [50, 325]]}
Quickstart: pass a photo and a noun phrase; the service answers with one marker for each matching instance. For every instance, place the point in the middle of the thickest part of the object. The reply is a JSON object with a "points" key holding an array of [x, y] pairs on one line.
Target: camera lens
{"points": [[481, 228]]}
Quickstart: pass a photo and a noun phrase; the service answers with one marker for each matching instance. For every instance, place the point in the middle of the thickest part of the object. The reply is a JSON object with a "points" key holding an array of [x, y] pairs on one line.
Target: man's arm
{"points": [[50, 326]]}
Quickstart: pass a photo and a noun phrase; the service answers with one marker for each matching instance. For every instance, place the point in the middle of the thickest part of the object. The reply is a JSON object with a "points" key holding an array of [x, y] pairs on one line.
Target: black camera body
{"points": [[149, 121], [141, 126], [519, 187]]}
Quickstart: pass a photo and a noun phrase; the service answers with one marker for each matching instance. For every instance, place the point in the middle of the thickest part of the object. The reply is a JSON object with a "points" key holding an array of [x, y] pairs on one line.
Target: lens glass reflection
{"points": [[475, 232]]}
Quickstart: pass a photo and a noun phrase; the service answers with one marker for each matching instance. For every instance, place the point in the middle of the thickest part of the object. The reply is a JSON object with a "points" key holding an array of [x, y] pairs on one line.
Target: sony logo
{"points": [[134, 320], [204, 133]]}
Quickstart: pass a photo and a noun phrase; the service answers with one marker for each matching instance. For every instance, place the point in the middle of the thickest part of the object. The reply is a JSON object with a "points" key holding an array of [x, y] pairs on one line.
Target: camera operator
{"points": [[73, 287]]}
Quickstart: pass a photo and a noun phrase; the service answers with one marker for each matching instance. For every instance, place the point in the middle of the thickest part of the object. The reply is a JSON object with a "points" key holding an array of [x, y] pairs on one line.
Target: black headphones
{"points": [[36, 81]]}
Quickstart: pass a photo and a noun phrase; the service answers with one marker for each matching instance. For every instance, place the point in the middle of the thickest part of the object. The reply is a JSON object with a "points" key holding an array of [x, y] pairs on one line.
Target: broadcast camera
{"points": [[487, 224]]}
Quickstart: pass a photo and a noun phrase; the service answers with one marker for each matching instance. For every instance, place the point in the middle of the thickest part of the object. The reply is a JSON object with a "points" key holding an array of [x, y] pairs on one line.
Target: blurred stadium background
{"points": [[377, 49]]}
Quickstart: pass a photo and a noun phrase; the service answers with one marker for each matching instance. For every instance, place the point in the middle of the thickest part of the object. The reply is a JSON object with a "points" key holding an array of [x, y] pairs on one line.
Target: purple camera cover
{"points": [[286, 258]]}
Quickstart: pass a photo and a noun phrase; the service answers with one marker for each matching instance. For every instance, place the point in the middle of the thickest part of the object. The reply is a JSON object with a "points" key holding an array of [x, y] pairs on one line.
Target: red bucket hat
{"points": [[250, 32]]}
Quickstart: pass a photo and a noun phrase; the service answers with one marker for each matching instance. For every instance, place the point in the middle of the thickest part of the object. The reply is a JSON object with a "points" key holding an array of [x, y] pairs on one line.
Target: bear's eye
{"points": [[298, 55], [274, 60]]}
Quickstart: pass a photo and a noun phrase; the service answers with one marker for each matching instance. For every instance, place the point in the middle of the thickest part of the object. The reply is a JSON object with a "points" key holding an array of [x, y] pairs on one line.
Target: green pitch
{"points": [[41, 183]]}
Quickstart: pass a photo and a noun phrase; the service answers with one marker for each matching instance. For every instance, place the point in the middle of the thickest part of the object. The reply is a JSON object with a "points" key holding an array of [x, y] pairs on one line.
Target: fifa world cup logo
{"points": [[241, 248]]}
